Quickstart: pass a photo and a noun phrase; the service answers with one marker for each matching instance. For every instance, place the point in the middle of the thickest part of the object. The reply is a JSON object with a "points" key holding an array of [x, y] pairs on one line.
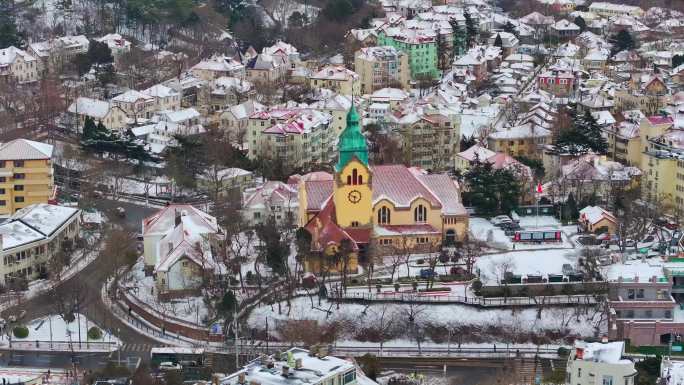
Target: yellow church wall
{"points": [[303, 218], [351, 212], [313, 264]]}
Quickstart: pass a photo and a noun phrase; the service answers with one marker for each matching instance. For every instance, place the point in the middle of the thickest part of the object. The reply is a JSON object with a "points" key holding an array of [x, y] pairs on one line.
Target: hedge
{"points": [[20, 332], [94, 333]]}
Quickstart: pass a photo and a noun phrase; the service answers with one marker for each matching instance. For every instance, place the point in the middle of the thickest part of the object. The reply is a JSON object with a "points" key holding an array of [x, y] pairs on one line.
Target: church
{"points": [[392, 207]]}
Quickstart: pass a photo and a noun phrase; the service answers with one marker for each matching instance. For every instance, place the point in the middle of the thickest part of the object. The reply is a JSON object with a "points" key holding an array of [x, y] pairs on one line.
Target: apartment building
{"points": [[338, 79], [382, 67], [420, 45], [432, 141], [522, 140], [32, 236], [26, 175], [296, 138], [591, 363], [18, 65]]}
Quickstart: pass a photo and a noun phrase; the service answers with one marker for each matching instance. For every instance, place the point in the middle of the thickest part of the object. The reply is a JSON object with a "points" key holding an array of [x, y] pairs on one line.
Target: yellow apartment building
{"points": [[524, 140], [336, 78], [382, 67], [26, 175]]}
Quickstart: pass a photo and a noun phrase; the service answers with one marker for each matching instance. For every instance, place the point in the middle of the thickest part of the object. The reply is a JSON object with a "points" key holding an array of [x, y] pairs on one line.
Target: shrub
{"points": [[94, 333], [20, 332], [435, 289]]}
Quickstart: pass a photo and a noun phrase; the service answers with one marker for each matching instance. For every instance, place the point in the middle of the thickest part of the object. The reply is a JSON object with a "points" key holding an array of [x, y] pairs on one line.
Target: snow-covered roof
{"points": [[604, 352], [164, 220], [520, 132], [10, 54], [379, 53], [24, 149], [564, 25], [89, 107], [314, 369], [335, 73], [179, 116], [160, 91], [476, 152], [595, 214], [672, 372], [45, 218], [131, 96]]}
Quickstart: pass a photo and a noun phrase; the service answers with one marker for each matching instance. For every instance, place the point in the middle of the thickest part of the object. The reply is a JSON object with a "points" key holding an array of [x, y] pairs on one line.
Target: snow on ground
{"points": [[42, 329], [189, 309], [537, 262], [522, 320], [637, 268], [483, 230]]}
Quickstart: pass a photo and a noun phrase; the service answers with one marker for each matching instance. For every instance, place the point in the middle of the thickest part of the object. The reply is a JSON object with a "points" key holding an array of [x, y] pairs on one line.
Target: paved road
{"points": [[88, 283]]}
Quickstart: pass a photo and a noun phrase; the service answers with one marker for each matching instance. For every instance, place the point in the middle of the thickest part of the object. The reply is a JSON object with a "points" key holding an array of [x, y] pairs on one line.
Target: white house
{"points": [[19, 65], [274, 199], [180, 244], [599, 363]]}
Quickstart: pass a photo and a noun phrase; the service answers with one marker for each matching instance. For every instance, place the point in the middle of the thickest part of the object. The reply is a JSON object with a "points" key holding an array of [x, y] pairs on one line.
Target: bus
{"points": [[177, 355], [538, 236]]}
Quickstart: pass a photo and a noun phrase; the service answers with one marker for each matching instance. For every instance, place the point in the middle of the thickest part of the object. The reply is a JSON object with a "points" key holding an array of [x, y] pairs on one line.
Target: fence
{"points": [[456, 299], [452, 350], [60, 346]]}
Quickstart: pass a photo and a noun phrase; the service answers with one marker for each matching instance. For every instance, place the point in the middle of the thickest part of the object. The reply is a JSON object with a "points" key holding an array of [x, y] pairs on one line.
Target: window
{"points": [[579, 372], [349, 377], [18, 163], [257, 215], [2, 191], [355, 224], [19, 187], [607, 380], [630, 294], [421, 240], [19, 176], [3, 203], [648, 314], [420, 214], [384, 216], [668, 314], [629, 313], [640, 293], [19, 199], [3, 179]]}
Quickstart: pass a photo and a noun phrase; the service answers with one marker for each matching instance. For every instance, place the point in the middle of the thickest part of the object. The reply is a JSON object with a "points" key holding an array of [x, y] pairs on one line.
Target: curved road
{"points": [[88, 283]]}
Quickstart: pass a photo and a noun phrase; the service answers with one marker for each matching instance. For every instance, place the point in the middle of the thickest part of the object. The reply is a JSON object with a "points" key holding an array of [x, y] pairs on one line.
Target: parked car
{"points": [[168, 366], [500, 219], [427, 273]]}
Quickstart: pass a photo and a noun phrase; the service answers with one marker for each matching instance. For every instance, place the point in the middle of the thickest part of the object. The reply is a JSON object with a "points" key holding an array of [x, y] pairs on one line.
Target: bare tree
{"points": [[414, 319]]}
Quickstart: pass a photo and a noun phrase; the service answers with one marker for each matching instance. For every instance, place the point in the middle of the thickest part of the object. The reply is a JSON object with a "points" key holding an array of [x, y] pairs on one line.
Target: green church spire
{"points": [[352, 142]]}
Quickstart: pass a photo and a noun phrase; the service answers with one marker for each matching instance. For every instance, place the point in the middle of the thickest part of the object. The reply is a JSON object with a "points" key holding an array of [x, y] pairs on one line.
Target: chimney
{"points": [[178, 218], [241, 378], [286, 371], [604, 339], [298, 363]]}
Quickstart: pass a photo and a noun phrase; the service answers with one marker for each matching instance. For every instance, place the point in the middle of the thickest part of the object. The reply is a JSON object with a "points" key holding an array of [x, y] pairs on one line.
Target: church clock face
{"points": [[354, 196]]}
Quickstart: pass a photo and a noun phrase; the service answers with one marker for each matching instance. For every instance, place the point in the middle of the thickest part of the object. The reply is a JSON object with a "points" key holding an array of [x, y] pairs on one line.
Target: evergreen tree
{"points": [[492, 191], [622, 41], [443, 62], [677, 60], [460, 37], [582, 137], [9, 34], [89, 128], [579, 21], [498, 42], [471, 28]]}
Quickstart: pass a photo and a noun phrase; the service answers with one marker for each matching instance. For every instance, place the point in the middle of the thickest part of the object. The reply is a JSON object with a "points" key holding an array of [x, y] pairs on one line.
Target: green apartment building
{"points": [[421, 47]]}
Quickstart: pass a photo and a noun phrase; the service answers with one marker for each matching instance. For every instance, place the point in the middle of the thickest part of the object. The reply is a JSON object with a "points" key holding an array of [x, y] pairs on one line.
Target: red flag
{"points": [[539, 188]]}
